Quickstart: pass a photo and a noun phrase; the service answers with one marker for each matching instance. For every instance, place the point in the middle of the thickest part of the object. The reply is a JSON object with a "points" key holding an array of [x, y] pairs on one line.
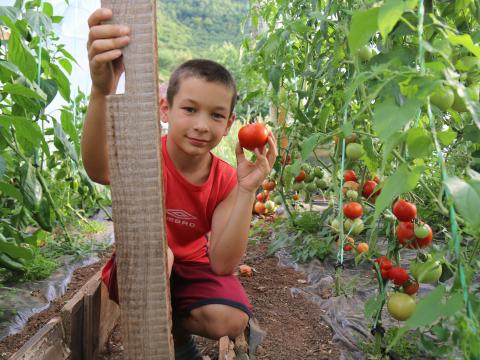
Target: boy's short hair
{"points": [[208, 70]]}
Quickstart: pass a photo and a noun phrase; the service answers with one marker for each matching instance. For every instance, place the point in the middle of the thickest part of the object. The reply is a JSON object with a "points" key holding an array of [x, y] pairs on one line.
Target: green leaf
{"points": [[48, 9], [67, 65], [274, 77], [8, 71], [447, 137], [62, 142], [363, 26], [472, 133], [2, 167], [389, 15], [39, 22], [21, 56], [299, 27], [19, 89], [419, 143], [403, 180], [11, 191], [50, 88], [66, 118], [432, 307], [25, 128], [16, 251], [389, 117], [466, 199], [30, 187], [309, 145], [465, 40], [62, 80]]}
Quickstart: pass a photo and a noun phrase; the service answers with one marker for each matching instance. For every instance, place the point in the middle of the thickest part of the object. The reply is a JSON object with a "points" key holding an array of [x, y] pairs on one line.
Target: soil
{"points": [[294, 326], [10, 344]]}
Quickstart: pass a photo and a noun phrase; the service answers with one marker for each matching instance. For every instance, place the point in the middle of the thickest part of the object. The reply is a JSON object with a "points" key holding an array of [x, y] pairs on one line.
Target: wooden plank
{"points": [[47, 344], [109, 318], [223, 345], [91, 318], [134, 154], [72, 320]]}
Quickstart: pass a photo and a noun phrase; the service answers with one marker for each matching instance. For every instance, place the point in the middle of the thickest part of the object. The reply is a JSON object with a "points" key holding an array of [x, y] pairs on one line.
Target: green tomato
{"points": [[356, 225], [309, 177], [311, 187], [306, 167], [427, 272], [318, 172], [278, 200], [443, 98], [321, 184], [354, 151], [421, 231], [269, 205], [365, 53], [352, 194], [335, 225], [401, 306]]}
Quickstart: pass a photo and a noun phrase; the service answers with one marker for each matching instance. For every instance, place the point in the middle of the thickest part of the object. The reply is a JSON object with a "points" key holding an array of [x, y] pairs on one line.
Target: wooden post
{"points": [[134, 151]]}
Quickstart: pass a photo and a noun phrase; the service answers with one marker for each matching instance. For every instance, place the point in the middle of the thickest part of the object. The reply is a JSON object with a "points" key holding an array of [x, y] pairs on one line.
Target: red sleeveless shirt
{"points": [[189, 208]]}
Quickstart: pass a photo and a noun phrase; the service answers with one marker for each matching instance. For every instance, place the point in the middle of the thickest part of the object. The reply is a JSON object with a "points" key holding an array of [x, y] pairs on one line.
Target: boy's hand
{"points": [[104, 51], [251, 175]]}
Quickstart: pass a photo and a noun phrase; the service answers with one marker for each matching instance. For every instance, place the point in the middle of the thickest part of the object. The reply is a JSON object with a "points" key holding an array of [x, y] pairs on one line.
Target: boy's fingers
{"points": [[239, 152], [272, 150], [100, 46], [105, 57], [107, 32], [98, 16]]}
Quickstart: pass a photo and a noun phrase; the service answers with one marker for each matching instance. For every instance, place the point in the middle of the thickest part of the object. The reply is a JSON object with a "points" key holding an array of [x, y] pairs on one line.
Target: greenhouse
{"points": [[239, 179]]}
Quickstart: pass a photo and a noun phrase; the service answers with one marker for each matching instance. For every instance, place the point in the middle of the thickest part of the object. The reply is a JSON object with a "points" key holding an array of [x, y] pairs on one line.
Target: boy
{"points": [[204, 195]]}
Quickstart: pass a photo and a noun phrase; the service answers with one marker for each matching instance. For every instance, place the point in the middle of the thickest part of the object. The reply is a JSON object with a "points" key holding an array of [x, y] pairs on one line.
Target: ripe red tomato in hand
{"points": [[404, 211], [398, 275], [349, 175], [353, 210], [253, 136]]}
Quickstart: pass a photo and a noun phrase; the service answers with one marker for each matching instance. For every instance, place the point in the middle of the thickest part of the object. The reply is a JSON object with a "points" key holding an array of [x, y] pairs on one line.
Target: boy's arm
{"points": [[106, 65], [232, 217]]}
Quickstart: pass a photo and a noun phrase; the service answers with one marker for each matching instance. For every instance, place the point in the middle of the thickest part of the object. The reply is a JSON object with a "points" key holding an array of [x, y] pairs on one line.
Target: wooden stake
{"points": [[134, 150]]}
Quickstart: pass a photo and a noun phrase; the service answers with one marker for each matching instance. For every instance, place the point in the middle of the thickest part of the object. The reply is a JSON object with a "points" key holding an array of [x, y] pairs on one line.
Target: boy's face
{"points": [[199, 116]]}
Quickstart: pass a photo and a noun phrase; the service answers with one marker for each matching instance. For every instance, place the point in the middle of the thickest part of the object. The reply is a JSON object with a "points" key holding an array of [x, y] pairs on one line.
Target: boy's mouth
{"points": [[197, 141]]}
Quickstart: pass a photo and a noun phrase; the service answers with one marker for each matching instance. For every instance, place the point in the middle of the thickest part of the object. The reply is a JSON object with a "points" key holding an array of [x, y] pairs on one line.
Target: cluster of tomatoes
{"points": [[309, 179], [264, 205], [412, 234]]}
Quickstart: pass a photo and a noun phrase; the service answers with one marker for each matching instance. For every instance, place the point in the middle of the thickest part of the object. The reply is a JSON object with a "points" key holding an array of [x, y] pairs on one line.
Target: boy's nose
{"points": [[201, 123]]}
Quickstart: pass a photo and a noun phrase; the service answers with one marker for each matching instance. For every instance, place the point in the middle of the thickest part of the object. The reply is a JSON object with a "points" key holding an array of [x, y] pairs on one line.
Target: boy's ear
{"points": [[164, 107], [229, 124]]}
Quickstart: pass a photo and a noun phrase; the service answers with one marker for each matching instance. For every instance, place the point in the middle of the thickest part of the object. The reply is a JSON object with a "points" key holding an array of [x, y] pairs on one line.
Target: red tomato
{"points": [[347, 247], [295, 197], [368, 189], [253, 136], [411, 287], [349, 175], [263, 196], [398, 275], [405, 233], [260, 208], [383, 263], [353, 210], [268, 185], [404, 211], [350, 185], [300, 177]]}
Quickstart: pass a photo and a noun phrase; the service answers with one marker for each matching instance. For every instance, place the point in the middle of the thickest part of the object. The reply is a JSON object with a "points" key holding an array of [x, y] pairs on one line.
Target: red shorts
{"points": [[192, 285]]}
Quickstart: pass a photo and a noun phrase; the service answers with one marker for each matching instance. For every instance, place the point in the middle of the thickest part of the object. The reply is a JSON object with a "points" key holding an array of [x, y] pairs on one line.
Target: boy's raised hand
{"points": [[251, 175], [104, 51]]}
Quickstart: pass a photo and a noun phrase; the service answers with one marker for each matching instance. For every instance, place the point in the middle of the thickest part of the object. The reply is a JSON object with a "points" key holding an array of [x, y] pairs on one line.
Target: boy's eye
{"points": [[188, 109], [218, 116]]}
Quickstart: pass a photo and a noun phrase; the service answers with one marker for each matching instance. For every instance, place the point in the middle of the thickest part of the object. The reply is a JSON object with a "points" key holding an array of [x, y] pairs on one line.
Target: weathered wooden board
{"points": [[133, 136]]}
